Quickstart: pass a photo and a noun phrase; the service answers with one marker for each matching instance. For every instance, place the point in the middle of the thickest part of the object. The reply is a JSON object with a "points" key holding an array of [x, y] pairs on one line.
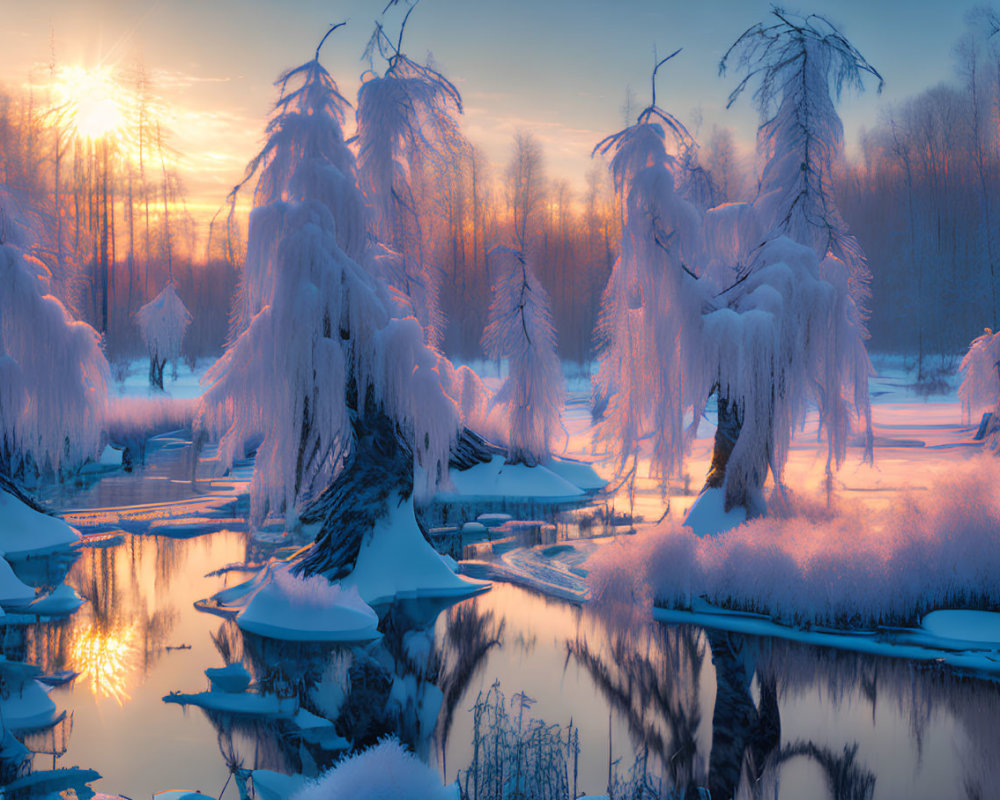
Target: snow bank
{"points": [[383, 772], [845, 567], [395, 561], [708, 515], [25, 532], [308, 609]]}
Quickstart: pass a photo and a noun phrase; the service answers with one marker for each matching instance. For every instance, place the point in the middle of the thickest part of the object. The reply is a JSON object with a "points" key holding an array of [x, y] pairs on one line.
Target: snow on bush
{"points": [[386, 771], [846, 567], [53, 375], [520, 329], [162, 323], [980, 368]]}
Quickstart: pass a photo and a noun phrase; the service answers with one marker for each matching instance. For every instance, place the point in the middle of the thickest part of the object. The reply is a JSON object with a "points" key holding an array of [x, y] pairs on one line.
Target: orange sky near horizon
{"points": [[559, 69]]}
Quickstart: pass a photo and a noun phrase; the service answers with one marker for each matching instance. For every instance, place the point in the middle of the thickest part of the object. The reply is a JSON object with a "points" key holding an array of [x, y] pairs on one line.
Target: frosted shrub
{"points": [[162, 323], [980, 368], [935, 550], [514, 756]]}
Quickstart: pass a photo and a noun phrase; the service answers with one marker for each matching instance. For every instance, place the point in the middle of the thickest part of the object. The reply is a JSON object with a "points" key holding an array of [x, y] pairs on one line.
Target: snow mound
{"points": [[708, 515], [579, 473], [61, 601], [25, 532], [308, 610], [385, 771], [395, 561], [963, 625], [28, 707], [497, 478]]}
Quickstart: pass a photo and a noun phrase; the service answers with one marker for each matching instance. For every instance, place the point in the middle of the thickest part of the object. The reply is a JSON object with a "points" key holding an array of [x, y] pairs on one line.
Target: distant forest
{"points": [[922, 195]]}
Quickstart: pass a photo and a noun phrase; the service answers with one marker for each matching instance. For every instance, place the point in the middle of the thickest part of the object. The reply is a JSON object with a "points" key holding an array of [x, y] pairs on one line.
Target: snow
{"points": [[964, 625], [311, 609], [497, 478], [181, 794], [60, 602], [25, 532], [27, 707], [232, 678], [395, 561], [249, 704], [708, 515], [385, 771], [12, 591], [579, 473], [270, 785]]}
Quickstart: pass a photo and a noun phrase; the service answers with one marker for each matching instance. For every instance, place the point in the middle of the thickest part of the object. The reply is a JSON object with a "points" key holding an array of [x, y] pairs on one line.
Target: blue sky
{"points": [[558, 68]]}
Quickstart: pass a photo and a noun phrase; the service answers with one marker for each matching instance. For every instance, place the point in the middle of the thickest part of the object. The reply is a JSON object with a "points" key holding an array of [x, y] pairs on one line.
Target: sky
{"points": [[559, 69]]}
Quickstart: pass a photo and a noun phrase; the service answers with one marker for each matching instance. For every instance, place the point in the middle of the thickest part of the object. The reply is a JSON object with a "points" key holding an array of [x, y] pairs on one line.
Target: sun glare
{"points": [[91, 99]]}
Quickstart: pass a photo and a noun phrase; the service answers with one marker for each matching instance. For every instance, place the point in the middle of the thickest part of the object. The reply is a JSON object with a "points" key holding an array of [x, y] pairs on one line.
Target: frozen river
{"points": [[703, 707]]}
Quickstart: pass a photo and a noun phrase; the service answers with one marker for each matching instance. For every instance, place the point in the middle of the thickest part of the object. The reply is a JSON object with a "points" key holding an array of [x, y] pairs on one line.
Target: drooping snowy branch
{"points": [[406, 124], [520, 329], [53, 375], [795, 63], [649, 326]]}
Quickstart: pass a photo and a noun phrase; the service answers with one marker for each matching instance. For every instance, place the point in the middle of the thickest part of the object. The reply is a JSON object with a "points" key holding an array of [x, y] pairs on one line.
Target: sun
{"points": [[91, 101]]}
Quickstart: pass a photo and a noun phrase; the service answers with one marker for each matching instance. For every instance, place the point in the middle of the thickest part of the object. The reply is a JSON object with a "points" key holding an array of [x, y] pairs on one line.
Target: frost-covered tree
{"points": [[53, 375], [347, 398], [980, 368], [406, 125], [649, 325], [520, 329], [162, 323], [698, 306], [799, 65]]}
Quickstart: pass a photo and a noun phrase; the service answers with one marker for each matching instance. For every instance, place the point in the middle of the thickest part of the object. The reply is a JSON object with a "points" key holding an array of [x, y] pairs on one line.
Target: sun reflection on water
{"points": [[105, 655]]}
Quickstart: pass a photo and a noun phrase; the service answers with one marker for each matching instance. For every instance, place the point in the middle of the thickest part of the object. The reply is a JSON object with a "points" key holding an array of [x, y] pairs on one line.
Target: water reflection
{"points": [[105, 657], [742, 717]]}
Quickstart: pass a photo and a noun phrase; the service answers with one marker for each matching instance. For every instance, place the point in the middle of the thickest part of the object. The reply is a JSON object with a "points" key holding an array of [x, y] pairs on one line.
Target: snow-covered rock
{"points": [[395, 561], [308, 609], [26, 532], [61, 601]]}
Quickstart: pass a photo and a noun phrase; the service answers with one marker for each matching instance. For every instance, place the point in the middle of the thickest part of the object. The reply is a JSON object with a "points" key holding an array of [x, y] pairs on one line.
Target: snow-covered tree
{"points": [[406, 124], [980, 368], [520, 330], [799, 66], [649, 325], [348, 400], [162, 322], [698, 306], [53, 375]]}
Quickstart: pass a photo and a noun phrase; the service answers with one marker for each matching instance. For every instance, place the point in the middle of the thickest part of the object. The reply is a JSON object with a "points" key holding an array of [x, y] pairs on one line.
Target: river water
{"points": [[736, 714]]}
